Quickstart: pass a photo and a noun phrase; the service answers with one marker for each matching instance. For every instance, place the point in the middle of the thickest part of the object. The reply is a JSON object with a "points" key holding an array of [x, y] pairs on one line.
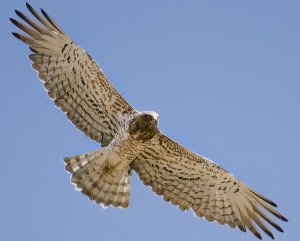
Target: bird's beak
{"points": [[157, 119]]}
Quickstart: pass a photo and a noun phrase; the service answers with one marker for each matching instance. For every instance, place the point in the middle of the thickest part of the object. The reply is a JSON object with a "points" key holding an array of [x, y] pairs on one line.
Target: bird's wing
{"points": [[190, 181], [72, 78]]}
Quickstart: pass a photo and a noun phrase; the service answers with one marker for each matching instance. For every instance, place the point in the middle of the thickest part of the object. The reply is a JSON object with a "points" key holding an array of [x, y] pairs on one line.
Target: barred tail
{"points": [[91, 176]]}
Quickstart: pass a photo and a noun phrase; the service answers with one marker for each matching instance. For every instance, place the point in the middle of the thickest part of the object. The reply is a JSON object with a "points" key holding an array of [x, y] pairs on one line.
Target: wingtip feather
{"points": [[278, 228], [269, 234], [33, 50], [30, 8], [12, 20], [242, 228], [16, 23], [43, 11], [258, 236], [16, 35], [28, 5], [46, 15], [51, 21], [264, 198], [21, 15]]}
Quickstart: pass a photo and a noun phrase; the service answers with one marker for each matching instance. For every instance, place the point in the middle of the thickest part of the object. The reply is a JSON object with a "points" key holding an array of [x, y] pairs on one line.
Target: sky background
{"points": [[224, 77]]}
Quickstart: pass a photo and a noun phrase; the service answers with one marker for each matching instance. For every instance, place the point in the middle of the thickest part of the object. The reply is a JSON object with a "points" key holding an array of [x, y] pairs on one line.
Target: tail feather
{"points": [[89, 175], [77, 162], [118, 192]]}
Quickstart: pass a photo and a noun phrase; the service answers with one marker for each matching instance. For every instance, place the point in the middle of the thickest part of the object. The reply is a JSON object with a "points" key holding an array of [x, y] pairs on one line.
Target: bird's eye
{"points": [[147, 117]]}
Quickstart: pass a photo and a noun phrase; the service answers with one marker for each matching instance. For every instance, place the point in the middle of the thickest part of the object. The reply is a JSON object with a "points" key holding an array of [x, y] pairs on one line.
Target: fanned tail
{"points": [[91, 176]]}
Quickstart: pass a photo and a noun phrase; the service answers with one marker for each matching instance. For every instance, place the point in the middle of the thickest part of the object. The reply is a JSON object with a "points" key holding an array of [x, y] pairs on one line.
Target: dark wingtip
{"points": [[17, 12], [33, 50], [269, 234], [273, 204], [21, 15], [264, 198], [243, 229], [16, 23], [43, 12], [13, 21], [29, 6], [16, 35], [270, 202], [284, 219], [46, 15], [278, 228], [258, 235]]}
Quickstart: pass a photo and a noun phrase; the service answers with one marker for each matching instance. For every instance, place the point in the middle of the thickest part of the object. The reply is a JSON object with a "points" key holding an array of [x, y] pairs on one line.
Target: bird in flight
{"points": [[131, 140]]}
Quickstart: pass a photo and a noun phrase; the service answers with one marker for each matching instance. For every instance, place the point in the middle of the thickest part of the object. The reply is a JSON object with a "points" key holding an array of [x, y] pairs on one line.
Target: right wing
{"points": [[72, 79], [189, 181]]}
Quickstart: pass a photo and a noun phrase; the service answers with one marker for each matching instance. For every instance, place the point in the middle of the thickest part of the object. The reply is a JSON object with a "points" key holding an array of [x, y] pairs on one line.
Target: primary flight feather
{"points": [[131, 140]]}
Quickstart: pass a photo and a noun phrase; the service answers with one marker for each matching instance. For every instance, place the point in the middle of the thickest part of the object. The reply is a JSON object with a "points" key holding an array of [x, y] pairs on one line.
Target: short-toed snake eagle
{"points": [[131, 140]]}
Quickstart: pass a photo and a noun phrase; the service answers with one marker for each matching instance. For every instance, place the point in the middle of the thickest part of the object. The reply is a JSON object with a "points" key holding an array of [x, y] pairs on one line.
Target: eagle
{"points": [[131, 140]]}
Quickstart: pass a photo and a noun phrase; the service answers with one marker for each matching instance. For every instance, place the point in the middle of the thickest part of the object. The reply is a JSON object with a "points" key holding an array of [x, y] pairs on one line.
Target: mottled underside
{"points": [[80, 89]]}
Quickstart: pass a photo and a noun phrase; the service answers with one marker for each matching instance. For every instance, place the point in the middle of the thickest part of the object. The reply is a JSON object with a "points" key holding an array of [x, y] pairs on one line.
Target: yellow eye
{"points": [[147, 117]]}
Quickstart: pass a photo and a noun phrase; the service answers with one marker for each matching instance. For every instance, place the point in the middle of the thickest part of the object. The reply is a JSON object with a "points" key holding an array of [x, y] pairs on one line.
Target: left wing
{"points": [[72, 79], [191, 181]]}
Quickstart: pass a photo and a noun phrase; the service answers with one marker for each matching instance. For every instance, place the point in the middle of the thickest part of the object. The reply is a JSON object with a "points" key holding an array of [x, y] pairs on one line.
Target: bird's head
{"points": [[144, 125], [149, 116]]}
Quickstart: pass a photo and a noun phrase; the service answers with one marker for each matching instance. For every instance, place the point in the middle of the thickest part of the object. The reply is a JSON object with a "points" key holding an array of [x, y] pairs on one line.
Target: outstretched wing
{"points": [[73, 80], [190, 181]]}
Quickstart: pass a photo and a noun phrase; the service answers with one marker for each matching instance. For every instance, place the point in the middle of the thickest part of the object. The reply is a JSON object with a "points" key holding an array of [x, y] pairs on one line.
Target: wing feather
{"points": [[72, 79], [190, 181]]}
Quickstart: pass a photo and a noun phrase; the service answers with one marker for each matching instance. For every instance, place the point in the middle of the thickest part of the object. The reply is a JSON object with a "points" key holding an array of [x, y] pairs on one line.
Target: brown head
{"points": [[144, 125]]}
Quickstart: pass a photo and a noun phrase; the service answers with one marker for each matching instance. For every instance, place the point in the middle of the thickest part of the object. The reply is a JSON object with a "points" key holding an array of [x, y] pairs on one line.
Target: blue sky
{"points": [[224, 77]]}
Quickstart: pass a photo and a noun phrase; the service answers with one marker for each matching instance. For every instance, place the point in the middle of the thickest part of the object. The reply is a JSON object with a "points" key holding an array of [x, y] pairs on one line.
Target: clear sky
{"points": [[224, 77]]}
